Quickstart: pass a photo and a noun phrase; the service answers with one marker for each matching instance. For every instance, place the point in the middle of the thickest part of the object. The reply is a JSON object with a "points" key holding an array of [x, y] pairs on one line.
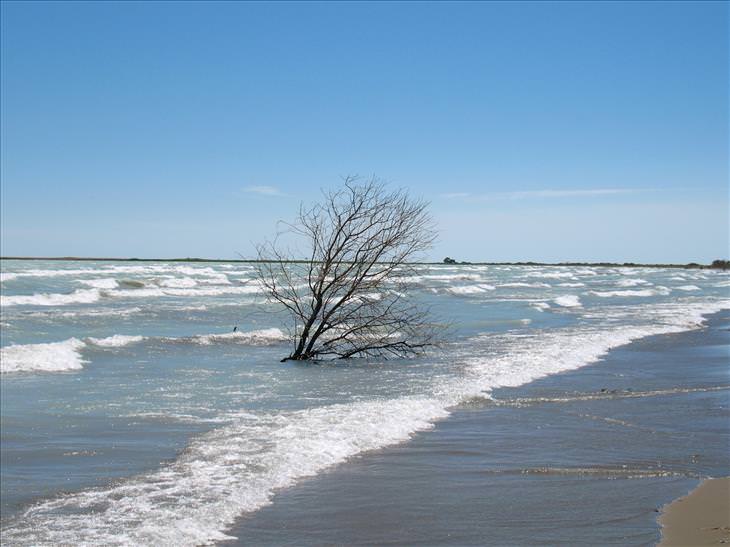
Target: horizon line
{"points": [[300, 261]]}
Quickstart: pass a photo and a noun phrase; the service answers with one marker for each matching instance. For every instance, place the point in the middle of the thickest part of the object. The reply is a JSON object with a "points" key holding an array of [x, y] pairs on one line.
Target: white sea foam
{"points": [[524, 285], [81, 296], [254, 337], [49, 357], [217, 280], [222, 474], [542, 353], [552, 275], [236, 468], [540, 306], [632, 282], [104, 283], [571, 285], [609, 294], [7, 276], [102, 312], [143, 270], [178, 282], [688, 288], [568, 301], [585, 271], [147, 292], [57, 273], [424, 278], [660, 290], [189, 270], [66, 355], [115, 341], [367, 297], [108, 312], [470, 289]]}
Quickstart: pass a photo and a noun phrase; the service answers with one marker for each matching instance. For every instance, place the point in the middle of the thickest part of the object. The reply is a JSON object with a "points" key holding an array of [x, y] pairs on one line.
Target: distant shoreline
{"points": [[691, 265]]}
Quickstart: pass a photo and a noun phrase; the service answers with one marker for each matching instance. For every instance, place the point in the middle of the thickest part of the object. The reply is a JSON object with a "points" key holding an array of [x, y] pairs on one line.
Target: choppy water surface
{"points": [[132, 414]]}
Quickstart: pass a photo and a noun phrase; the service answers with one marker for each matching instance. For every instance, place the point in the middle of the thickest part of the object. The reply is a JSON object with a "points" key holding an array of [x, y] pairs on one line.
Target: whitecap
{"points": [[237, 468], [81, 296], [115, 341], [552, 275], [104, 283], [568, 301], [48, 357], [470, 289], [640, 292], [178, 282], [254, 337], [524, 285], [632, 282]]}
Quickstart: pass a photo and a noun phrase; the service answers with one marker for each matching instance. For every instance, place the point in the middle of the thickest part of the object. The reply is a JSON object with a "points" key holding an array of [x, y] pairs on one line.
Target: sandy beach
{"points": [[700, 518]]}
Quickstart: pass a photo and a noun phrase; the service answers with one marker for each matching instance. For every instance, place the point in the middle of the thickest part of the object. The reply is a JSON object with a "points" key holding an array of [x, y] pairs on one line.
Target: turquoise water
{"points": [[132, 414]]}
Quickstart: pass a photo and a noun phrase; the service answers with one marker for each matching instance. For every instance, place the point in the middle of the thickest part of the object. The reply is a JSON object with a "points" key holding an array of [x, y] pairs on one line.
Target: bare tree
{"points": [[349, 297]]}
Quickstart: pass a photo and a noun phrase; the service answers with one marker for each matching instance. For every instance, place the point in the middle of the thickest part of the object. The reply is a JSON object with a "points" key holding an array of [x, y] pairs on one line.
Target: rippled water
{"points": [[131, 413]]}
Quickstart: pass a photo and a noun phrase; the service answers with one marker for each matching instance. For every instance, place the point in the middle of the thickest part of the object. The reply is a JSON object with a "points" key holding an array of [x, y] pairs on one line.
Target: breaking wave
{"points": [[568, 301], [640, 292], [237, 468], [50, 357], [67, 355], [470, 289], [632, 282], [255, 337], [524, 285], [116, 341], [81, 296], [104, 283]]}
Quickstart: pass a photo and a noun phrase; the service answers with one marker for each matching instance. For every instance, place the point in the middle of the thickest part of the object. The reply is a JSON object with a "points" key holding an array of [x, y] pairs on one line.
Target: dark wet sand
{"points": [[627, 436]]}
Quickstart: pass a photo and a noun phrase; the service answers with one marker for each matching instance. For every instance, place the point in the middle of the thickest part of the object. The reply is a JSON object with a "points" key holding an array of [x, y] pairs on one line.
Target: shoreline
{"points": [[702, 517], [687, 266], [587, 456]]}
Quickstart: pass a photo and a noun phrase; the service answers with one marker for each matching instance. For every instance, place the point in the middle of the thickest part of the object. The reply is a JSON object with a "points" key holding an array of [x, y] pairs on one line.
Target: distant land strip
{"points": [[717, 264]]}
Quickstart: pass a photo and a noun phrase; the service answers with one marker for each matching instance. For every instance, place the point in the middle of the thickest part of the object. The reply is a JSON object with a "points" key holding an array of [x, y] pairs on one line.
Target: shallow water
{"points": [[132, 414], [584, 457]]}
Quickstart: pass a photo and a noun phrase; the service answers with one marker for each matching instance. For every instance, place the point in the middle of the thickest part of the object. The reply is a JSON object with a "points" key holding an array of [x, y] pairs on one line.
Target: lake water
{"points": [[132, 414]]}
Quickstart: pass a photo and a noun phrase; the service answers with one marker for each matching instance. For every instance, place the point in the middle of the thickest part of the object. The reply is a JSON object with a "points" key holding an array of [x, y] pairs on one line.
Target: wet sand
{"points": [[587, 457], [700, 518]]}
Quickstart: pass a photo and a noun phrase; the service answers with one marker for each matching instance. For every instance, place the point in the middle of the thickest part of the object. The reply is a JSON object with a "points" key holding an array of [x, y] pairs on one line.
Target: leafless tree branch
{"points": [[349, 297]]}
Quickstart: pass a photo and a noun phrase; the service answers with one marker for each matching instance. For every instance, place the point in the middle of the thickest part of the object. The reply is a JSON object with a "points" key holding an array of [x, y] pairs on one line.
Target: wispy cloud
{"points": [[538, 194], [264, 190], [568, 193], [455, 195]]}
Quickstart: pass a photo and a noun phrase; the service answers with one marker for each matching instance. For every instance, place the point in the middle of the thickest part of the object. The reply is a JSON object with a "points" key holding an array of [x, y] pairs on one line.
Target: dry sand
{"points": [[700, 518]]}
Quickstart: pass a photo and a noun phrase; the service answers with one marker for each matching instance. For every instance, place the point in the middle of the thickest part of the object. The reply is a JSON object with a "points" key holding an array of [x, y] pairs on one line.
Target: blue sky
{"points": [[538, 131]]}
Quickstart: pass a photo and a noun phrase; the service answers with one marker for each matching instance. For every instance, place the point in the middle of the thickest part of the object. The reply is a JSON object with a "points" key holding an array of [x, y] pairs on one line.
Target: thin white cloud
{"points": [[454, 195], [264, 190], [565, 193]]}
